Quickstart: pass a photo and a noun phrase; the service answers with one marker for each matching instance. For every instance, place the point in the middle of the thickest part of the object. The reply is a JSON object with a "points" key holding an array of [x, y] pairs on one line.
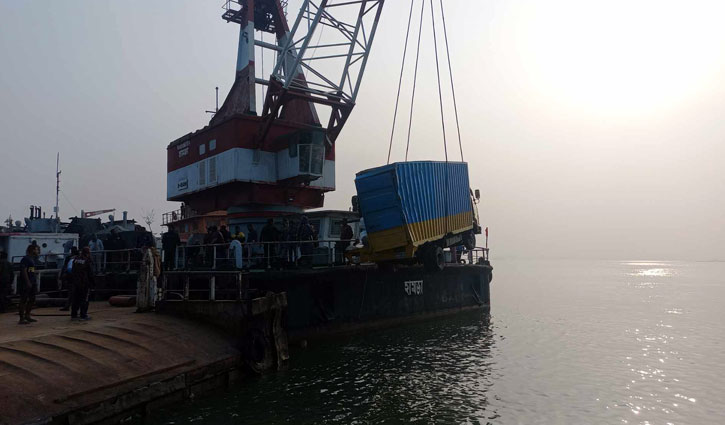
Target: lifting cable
{"points": [[400, 80], [450, 72], [438, 75], [415, 77], [443, 121]]}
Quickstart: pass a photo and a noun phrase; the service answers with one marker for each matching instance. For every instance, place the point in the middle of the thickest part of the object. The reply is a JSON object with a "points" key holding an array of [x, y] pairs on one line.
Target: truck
{"points": [[413, 210]]}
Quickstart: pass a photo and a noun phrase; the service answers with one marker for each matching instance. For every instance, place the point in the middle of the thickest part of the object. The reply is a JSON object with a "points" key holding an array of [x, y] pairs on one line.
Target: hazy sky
{"points": [[593, 129]]}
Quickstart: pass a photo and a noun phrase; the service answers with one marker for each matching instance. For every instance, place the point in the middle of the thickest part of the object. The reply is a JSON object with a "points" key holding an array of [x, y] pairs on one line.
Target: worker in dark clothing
{"points": [[83, 280], [169, 242], [306, 236], [6, 280], [346, 236], [216, 238], [252, 239], [27, 286], [269, 234], [65, 276], [225, 234]]}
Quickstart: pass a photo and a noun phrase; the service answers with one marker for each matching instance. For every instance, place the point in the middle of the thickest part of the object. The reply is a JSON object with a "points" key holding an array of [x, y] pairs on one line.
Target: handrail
{"points": [[178, 215], [273, 254], [260, 255]]}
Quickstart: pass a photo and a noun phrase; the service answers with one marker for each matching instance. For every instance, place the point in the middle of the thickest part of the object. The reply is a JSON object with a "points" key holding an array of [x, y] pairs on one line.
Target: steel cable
{"points": [[438, 74], [450, 73], [415, 78], [443, 121], [400, 80]]}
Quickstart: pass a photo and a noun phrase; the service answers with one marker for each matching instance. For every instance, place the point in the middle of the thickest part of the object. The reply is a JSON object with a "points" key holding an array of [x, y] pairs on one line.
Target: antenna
{"points": [[56, 210], [217, 103]]}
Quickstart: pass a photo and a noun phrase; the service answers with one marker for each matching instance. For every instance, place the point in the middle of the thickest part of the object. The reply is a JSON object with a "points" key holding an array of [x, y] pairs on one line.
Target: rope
{"points": [[415, 78], [438, 74], [400, 80], [450, 72]]}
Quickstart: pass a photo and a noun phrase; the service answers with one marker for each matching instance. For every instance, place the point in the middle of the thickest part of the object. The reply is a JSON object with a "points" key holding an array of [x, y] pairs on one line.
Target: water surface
{"points": [[637, 342]]}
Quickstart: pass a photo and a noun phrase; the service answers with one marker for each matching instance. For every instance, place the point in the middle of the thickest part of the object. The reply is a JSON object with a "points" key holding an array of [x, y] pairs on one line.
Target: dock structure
{"points": [[109, 368]]}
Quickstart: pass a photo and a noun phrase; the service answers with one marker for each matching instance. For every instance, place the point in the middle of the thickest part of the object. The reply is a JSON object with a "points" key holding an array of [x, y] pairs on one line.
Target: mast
{"points": [[57, 192]]}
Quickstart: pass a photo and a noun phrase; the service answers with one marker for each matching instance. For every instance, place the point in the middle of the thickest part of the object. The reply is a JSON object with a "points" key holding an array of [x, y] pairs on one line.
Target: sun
{"points": [[627, 57]]}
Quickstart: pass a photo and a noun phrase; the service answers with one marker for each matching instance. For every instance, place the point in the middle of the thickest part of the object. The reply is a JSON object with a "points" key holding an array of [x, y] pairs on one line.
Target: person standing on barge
{"points": [[83, 279], [28, 285]]}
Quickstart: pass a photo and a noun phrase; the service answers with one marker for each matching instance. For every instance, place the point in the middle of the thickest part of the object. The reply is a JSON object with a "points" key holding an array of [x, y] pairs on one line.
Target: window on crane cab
{"points": [[336, 228], [310, 148]]}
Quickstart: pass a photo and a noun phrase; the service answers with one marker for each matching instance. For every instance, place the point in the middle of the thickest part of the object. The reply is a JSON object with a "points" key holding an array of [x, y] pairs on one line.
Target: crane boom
{"points": [[87, 214], [333, 67]]}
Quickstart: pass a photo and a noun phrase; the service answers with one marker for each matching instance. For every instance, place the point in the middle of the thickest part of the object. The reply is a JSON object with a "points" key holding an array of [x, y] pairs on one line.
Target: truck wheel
{"points": [[469, 240], [435, 259]]}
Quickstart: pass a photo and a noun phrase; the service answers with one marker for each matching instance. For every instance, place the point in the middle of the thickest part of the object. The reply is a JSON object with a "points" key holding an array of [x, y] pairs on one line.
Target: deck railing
{"points": [[177, 215], [261, 255]]}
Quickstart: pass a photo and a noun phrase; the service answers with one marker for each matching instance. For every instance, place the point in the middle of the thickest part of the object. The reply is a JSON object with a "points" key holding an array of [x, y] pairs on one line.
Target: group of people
{"points": [[77, 274], [273, 246]]}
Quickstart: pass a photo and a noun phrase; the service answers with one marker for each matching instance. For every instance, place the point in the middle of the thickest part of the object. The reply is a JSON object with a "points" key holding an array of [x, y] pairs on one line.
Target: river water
{"points": [[567, 342]]}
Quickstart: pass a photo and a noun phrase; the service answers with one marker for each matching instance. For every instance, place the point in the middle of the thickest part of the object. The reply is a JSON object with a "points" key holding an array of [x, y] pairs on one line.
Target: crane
{"points": [[280, 159], [87, 214]]}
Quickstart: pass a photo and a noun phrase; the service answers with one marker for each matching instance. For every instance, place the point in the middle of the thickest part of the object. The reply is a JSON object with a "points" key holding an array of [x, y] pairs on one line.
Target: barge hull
{"points": [[327, 302]]}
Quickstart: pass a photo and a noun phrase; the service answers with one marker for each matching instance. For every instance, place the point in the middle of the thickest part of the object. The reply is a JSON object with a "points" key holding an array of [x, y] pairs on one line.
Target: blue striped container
{"points": [[407, 204]]}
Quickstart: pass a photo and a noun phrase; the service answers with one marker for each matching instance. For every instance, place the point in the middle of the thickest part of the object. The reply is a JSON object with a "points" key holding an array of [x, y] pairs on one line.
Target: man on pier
{"points": [[169, 241], [28, 285], [83, 280]]}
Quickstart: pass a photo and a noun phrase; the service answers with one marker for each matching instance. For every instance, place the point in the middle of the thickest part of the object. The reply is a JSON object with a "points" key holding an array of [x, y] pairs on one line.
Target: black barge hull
{"points": [[327, 302]]}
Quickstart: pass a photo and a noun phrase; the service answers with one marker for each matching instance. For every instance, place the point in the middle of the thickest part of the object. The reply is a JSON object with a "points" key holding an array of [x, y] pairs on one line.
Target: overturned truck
{"points": [[413, 210]]}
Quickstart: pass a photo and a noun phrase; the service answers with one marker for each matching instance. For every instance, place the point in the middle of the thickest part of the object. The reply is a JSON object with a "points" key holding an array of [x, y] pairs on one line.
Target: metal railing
{"points": [[476, 255], [285, 254], [114, 260], [43, 285], [218, 286], [176, 215], [260, 255]]}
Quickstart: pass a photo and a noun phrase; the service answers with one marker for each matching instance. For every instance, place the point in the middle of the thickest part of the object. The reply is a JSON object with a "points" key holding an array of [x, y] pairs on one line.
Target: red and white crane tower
{"points": [[280, 158]]}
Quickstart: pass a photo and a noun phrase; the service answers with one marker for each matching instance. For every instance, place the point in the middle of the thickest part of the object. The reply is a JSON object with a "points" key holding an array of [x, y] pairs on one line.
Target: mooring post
{"points": [[186, 287], [212, 288]]}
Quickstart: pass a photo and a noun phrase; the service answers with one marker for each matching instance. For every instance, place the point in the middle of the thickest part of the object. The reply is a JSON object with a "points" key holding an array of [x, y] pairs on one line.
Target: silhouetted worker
{"points": [[236, 250], [96, 247], [269, 234], [146, 285], [115, 241], [65, 276], [6, 280], [305, 234], [27, 285], [346, 236], [82, 276], [284, 238], [252, 239], [225, 234], [169, 242]]}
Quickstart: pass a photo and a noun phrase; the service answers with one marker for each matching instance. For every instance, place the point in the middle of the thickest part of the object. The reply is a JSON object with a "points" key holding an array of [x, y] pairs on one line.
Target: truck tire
{"points": [[434, 260], [469, 240]]}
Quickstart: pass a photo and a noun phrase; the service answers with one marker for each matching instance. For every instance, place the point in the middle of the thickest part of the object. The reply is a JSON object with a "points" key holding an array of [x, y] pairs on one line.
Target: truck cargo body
{"points": [[406, 205]]}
